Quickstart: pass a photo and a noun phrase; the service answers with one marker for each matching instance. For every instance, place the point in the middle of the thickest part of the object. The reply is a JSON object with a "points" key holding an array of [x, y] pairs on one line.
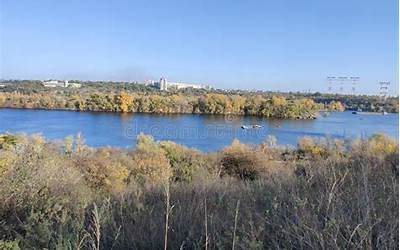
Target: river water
{"points": [[203, 132]]}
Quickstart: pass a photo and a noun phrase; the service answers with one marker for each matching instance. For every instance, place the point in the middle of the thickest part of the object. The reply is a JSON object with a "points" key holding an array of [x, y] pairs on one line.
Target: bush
{"points": [[43, 197], [9, 245], [242, 161], [103, 171], [7, 141], [149, 162], [380, 144], [185, 163]]}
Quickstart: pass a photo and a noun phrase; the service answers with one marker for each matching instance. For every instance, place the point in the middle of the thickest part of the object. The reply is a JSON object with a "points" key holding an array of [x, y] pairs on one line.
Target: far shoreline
{"points": [[168, 113]]}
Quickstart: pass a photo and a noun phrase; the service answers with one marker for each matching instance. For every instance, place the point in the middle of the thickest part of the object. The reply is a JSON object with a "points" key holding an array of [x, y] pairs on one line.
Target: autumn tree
{"points": [[124, 101], [336, 106]]}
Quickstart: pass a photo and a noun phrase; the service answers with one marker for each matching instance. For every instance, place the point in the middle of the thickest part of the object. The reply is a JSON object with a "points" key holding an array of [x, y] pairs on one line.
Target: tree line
{"points": [[210, 103], [349, 102]]}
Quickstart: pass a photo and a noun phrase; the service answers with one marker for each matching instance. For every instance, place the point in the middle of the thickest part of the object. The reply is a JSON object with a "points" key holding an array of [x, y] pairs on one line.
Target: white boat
{"points": [[250, 126]]}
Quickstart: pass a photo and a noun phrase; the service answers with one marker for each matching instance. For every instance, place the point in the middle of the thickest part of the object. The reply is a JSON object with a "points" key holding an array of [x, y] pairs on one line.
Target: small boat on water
{"points": [[250, 126], [357, 112]]}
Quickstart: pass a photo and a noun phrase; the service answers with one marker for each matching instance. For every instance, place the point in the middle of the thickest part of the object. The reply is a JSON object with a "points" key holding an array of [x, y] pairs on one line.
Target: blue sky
{"points": [[285, 45]]}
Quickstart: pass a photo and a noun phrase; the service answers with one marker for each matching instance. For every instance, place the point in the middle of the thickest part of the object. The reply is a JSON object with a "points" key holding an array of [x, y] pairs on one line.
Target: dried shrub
{"points": [[149, 161], [185, 163], [242, 161]]}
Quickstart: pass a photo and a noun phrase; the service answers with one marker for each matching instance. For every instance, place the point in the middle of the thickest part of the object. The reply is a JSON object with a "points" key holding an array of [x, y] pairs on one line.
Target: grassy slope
{"points": [[323, 194]]}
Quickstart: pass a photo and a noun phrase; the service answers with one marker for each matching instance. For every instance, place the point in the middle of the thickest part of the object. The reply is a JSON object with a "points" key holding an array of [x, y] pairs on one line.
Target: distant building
{"points": [[72, 84], [163, 84], [53, 84], [63, 84]]}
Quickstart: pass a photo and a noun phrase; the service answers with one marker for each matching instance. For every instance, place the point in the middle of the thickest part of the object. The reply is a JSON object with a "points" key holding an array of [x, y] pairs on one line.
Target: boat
{"points": [[357, 112], [250, 126]]}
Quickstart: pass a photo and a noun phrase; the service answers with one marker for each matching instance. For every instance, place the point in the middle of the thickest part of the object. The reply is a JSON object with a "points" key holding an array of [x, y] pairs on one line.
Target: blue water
{"points": [[204, 132]]}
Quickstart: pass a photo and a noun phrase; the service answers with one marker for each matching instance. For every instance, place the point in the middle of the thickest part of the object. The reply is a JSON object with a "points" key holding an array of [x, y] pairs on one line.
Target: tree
{"points": [[124, 101], [278, 101], [336, 106]]}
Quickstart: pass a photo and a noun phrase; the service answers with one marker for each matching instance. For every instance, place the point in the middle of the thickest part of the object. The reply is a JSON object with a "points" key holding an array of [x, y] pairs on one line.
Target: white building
{"points": [[52, 84], [63, 84], [72, 84], [163, 84]]}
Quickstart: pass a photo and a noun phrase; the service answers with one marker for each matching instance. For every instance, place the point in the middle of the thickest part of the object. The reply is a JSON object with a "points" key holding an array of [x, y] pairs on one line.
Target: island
{"points": [[142, 98]]}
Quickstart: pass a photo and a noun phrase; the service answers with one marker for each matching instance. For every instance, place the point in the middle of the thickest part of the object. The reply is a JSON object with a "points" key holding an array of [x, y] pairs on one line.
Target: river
{"points": [[203, 132]]}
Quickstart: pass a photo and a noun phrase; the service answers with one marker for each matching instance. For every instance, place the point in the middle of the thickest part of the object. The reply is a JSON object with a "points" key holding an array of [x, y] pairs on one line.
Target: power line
{"points": [[384, 89], [341, 82]]}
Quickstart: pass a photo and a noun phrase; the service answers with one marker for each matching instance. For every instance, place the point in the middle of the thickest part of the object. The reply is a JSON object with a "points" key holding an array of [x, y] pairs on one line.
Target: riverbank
{"points": [[305, 117], [66, 194]]}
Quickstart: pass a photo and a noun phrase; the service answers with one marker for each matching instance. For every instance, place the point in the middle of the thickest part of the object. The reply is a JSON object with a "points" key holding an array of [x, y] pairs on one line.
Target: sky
{"points": [[279, 45]]}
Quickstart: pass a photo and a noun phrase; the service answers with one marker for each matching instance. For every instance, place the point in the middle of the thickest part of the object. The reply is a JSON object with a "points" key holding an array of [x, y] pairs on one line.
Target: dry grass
{"points": [[324, 194]]}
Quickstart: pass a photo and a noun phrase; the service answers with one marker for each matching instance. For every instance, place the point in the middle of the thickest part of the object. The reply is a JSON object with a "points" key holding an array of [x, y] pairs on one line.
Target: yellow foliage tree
{"points": [[336, 106], [150, 162], [124, 101], [278, 101], [308, 103], [238, 103]]}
